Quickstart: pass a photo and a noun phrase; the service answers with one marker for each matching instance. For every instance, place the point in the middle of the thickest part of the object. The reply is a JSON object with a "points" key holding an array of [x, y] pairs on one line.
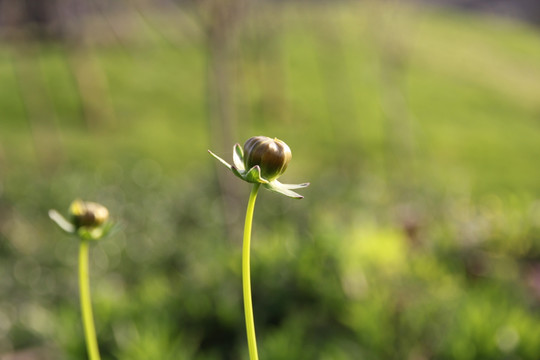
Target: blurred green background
{"points": [[418, 128]]}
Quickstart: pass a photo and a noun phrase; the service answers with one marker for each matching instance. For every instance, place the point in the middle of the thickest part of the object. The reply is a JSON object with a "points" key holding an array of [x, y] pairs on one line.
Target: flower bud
{"points": [[272, 156], [87, 214]]}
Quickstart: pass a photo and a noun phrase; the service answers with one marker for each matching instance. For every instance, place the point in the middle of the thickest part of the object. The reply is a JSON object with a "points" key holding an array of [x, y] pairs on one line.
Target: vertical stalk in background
{"points": [[246, 277], [391, 29], [221, 22], [86, 304]]}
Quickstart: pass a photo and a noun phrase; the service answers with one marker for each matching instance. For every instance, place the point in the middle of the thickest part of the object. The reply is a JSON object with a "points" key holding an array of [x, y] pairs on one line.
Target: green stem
{"points": [[246, 278], [86, 303]]}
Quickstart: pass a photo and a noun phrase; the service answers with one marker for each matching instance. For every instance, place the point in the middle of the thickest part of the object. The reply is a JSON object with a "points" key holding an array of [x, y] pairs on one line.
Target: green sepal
{"points": [[284, 189], [86, 233], [97, 233], [238, 157], [291, 186], [254, 175], [237, 173], [221, 160]]}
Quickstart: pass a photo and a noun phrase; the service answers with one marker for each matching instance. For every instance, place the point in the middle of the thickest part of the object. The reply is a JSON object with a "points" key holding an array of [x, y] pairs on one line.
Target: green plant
{"points": [[261, 161], [88, 221]]}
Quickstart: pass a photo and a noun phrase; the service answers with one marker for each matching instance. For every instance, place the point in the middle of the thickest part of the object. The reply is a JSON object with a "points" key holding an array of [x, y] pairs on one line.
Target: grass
{"points": [[469, 86]]}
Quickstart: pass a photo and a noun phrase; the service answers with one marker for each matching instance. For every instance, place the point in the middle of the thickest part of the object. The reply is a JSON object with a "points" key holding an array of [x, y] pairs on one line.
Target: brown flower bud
{"points": [[88, 214], [272, 156]]}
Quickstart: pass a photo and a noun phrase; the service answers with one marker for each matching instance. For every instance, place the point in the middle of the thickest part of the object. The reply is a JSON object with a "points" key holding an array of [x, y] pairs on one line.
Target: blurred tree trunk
{"points": [[389, 28], [401, 161], [262, 61], [220, 20], [90, 78], [92, 87], [36, 18], [339, 97]]}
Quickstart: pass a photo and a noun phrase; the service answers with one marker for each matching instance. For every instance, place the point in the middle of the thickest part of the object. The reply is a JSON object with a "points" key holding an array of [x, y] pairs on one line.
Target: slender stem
{"points": [[246, 278], [86, 303]]}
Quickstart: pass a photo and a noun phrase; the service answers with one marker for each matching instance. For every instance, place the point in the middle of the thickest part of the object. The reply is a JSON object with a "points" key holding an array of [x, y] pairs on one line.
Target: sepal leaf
{"points": [[221, 160], [97, 233], [237, 173], [291, 186], [61, 222], [238, 157], [254, 176], [276, 186]]}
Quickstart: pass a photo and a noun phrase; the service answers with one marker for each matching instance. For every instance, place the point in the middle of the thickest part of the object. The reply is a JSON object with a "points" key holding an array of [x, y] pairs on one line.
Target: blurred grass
{"points": [[473, 76], [418, 238]]}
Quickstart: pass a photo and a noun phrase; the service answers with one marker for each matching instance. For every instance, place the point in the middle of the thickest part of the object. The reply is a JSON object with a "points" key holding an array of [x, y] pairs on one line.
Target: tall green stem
{"points": [[246, 277], [86, 303]]}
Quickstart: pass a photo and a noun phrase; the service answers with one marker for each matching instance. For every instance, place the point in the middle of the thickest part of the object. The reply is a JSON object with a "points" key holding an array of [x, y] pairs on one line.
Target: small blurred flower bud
{"points": [[88, 214], [272, 156]]}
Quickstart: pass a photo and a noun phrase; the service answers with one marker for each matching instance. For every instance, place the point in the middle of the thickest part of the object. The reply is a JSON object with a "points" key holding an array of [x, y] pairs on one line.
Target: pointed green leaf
{"points": [[97, 233], [276, 188], [110, 228], [238, 157], [61, 221], [240, 174], [221, 160], [85, 233], [290, 186], [254, 175]]}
